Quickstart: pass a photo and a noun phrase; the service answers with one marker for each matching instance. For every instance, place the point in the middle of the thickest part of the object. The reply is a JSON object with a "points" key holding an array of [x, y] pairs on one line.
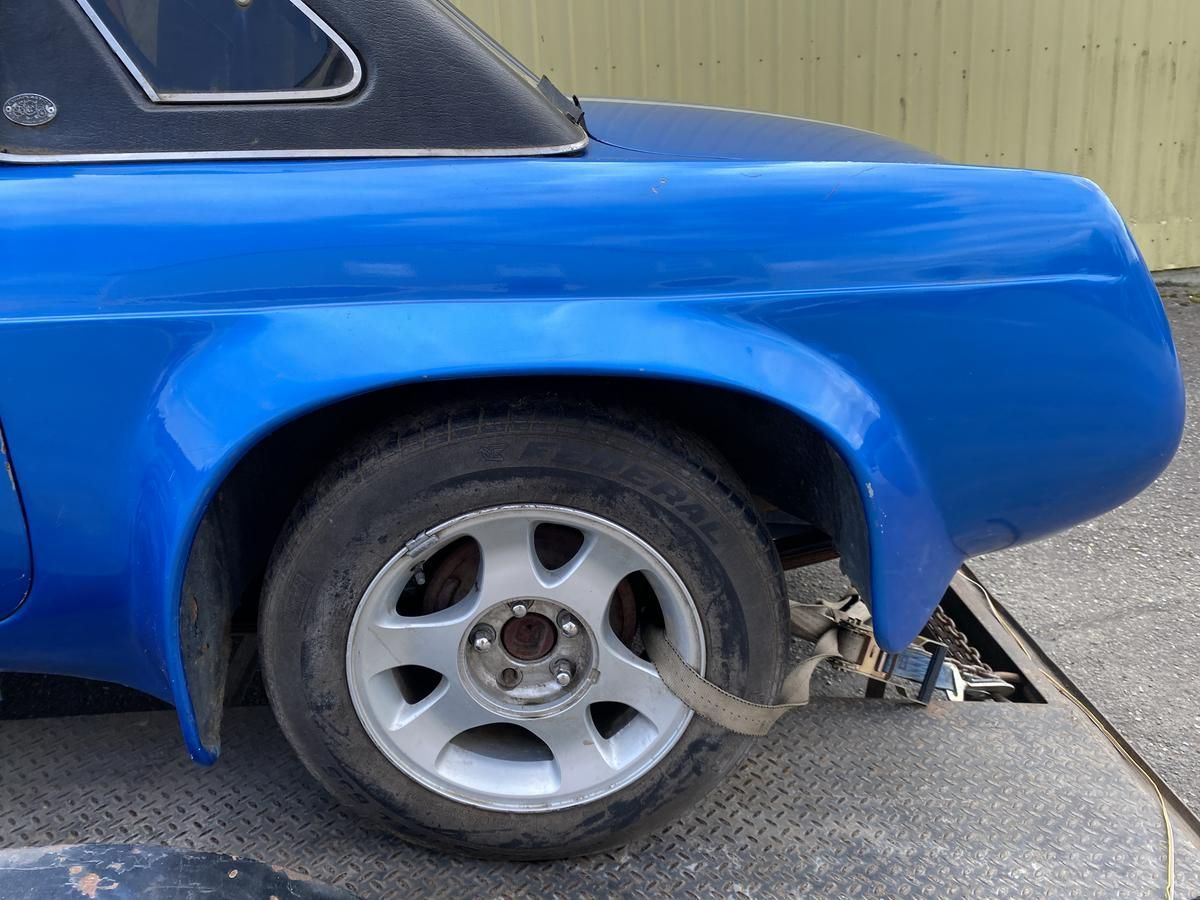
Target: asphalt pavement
{"points": [[1115, 601]]}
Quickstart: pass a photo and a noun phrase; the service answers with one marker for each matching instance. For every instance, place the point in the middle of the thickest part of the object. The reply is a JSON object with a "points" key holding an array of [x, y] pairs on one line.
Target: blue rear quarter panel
{"points": [[983, 347]]}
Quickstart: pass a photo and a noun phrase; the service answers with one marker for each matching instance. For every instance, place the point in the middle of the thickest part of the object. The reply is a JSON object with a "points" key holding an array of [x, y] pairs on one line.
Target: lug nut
{"points": [[519, 609], [563, 671], [482, 638], [567, 624]]}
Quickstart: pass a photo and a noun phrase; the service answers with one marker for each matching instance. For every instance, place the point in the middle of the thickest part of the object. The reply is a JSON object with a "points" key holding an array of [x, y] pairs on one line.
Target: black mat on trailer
{"points": [[132, 872], [847, 798]]}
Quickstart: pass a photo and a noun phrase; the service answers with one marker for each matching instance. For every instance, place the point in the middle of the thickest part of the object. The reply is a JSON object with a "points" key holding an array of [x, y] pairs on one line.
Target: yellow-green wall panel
{"points": [[1106, 88]]}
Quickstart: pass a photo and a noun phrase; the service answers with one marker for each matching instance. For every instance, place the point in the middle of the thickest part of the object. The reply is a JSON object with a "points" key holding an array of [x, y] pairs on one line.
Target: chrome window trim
{"points": [[116, 48], [505, 55], [233, 155], [236, 96]]}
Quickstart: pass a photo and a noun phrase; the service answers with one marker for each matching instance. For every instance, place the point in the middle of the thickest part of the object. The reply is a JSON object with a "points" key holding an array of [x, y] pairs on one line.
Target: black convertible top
{"points": [[427, 82]]}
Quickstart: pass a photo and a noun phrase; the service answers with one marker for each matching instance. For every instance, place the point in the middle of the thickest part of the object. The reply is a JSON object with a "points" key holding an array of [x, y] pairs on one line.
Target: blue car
{"points": [[334, 318]]}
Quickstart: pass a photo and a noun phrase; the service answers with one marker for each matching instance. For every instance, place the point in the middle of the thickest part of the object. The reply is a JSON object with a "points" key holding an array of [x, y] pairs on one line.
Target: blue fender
{"points": [[660, 341], [983, 347], [203, 420]]}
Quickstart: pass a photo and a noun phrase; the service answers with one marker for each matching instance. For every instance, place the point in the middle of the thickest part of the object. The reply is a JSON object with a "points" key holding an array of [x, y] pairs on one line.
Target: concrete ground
{"points": [[1116, 601]]}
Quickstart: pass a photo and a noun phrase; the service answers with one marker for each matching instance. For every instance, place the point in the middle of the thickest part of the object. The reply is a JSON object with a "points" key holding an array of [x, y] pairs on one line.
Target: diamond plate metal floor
{"points": [[847, 798], [997, 800]]}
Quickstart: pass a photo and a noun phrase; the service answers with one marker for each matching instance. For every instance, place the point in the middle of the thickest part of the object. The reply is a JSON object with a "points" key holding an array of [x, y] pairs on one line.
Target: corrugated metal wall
{"points": [[1106, 88]]}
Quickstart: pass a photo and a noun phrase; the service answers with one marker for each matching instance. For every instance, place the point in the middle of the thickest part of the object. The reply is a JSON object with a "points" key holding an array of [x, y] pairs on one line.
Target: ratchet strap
{"points": [[841, 637], [723, 708]]}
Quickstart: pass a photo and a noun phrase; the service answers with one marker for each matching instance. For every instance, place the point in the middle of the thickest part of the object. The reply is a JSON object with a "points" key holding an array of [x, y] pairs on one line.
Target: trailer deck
{"points": [[849, 797]]}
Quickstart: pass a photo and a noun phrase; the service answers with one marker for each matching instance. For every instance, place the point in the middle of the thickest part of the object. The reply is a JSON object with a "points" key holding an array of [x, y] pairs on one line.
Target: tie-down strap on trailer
{"points": [[841, 636]]}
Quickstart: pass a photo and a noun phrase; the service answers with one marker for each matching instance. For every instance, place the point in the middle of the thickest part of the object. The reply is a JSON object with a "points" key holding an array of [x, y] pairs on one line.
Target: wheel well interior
{"points": [[802, 486]]}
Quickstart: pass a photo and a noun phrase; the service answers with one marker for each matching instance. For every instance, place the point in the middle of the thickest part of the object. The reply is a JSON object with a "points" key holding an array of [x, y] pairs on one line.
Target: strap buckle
{"points": [[917, 671]]}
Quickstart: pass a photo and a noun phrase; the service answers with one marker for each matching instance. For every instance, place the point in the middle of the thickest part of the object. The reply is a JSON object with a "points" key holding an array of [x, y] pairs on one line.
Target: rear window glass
{"points": [[182, 50]]}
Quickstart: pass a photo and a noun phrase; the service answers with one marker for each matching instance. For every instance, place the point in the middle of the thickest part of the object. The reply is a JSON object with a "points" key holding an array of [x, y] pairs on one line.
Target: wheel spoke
{"points": [[579, 751], [423, 730], [431, 641], [587, 582], [508, 564], [624, 678]]}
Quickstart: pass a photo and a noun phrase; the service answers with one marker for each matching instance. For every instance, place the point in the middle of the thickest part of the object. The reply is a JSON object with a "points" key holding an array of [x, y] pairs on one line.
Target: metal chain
{"points": [[942, 628]]}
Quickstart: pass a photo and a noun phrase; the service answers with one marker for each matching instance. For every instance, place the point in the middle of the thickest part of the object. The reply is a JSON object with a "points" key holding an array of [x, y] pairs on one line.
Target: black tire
{"points": [[664, 485]]}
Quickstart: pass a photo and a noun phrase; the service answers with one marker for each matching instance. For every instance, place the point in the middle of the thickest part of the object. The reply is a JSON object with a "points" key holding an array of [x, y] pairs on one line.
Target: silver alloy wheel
{"points": [[501, 730]]}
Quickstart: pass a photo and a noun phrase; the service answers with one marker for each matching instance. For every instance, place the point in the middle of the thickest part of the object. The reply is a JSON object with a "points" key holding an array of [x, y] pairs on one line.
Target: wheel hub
{"points": [[529, 637], [521, 674]]}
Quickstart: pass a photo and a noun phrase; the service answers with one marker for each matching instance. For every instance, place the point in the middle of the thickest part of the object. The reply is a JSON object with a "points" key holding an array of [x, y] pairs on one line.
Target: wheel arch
{"points": [[766, 442], [342, 359]]}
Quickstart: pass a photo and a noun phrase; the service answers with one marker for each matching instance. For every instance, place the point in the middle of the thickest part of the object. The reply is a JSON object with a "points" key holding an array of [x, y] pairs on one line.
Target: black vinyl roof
{"points": [[431, 84]]}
